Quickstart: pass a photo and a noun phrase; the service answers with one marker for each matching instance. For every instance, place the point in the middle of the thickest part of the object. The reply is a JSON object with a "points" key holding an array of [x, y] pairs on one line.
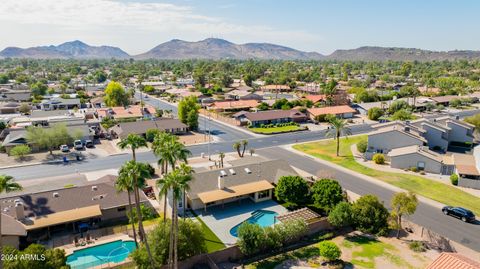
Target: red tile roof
{"points": [[275, 87], [449, 260], [235, 104], [333, 110], [315, 98]]}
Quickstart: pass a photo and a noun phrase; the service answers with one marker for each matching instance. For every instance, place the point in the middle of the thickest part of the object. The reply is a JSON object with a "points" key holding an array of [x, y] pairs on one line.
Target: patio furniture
{"points": [[75, 241]]}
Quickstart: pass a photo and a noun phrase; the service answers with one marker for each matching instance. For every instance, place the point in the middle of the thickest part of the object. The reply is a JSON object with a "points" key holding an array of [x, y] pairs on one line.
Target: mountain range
{"points": [[214, 48]]}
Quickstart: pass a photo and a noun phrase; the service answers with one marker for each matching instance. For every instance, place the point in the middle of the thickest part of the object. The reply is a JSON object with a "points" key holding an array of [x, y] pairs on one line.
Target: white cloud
{"points": [[115, 22]]}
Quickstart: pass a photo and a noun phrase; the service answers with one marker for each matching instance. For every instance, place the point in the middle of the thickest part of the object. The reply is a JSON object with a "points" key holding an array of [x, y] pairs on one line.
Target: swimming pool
{"points": [[116, 251], [264, 218]]}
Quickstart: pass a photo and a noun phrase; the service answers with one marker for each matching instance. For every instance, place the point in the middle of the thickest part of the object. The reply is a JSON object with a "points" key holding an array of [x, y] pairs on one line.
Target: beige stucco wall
{"points": [[411, 160], [390, 140], [11, 240]]}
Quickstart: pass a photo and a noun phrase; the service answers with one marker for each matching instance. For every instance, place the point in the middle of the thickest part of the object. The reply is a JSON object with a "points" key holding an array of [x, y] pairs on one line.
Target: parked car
{"points": [[64, 148], [89, 143], [459, 212], [78, 144]]}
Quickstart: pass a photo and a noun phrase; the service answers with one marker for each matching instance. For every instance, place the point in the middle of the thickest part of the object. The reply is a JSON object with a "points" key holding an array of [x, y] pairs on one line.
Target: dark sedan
{"points": [[458, 212]]}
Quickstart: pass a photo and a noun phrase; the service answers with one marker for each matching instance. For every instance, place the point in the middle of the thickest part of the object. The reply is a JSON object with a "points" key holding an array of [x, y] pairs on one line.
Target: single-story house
{"points": [[465, 166], [134, 111], [450, 260], [97, 102], [383, 140], [234, 105], [256, 119], [242, 95], [254, 181], [318, 98], [344, 112], [416, 156], [9, 108], [18, 136], [44, 213], [280, 88], [60, 103], [123, 129], [15, 96], [445, 100]]}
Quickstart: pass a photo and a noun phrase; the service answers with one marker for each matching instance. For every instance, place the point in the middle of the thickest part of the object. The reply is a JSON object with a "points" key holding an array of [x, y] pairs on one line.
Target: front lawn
{"points": [[434, 190], [272, 130]]}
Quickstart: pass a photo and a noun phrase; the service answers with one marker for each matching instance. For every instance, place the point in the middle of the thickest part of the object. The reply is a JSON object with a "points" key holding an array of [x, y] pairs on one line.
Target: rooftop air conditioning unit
{"points": [[94, 188], [247, 170], [231, 171], [223, 173], [56, 194]]}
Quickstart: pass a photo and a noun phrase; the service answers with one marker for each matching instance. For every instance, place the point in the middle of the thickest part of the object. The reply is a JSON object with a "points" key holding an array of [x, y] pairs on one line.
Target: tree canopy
{"points": [[115, 95]]}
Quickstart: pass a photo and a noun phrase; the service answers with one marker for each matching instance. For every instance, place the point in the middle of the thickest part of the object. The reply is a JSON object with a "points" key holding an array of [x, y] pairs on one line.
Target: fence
{"points": [[58, 241], [469, 183]]}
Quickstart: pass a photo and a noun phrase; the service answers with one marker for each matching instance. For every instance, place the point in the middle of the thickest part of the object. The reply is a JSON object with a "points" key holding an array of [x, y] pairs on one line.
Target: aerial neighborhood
{"points": [[217, 155]]}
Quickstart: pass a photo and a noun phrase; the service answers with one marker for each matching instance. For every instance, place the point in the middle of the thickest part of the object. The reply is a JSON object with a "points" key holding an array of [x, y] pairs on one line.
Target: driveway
{"points": [[221, 219]]}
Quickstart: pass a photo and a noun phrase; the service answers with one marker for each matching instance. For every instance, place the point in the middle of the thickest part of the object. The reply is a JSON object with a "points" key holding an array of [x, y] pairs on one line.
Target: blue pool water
{"points": [[264, 218], [116, 251]]}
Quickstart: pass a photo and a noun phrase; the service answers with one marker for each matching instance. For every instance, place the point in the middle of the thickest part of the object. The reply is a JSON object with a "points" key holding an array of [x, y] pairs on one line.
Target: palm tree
{"points": [[179, 181], [125, 183], [237, 146], [244, 145], [337, 128], [159, 149], [222, 156], [133, 142], [138, 172], [330, 89], [187, 172], [7, 185]]}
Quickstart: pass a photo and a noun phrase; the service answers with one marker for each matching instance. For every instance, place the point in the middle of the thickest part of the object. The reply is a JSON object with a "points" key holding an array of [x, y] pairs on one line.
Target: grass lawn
{"points": [[420, 185], [366, 250], [211, 240], [271, 130]]}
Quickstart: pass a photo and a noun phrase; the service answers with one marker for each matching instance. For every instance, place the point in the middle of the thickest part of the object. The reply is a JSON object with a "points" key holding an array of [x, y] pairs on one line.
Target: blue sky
{"points": [[322, 26]]}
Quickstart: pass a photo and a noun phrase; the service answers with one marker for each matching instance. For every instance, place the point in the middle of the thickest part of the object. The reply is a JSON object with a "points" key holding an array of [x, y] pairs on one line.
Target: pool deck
{"points": [[69, 249], [221, 219]]}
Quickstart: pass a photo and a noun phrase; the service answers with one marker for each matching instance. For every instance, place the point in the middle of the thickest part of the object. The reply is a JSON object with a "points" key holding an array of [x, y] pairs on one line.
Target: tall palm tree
{"points": [[124, 182], [133, 142], [179, 181], [244, 145], [338, 127], [187, 172], [159, 149], [222, 156], [7, 185], [138, 172], [237, 146]]}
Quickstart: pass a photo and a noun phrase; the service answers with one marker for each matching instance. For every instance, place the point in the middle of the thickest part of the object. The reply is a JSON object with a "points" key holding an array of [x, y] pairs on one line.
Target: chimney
{"points": [[19, 211], [407, 129], [221, 183], [55, 194]]}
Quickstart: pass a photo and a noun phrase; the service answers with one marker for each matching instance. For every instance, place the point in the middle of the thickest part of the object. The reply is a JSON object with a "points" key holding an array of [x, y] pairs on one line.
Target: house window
{"points": [[120, 209], [379, 151], [263, 194], [421, 165]]}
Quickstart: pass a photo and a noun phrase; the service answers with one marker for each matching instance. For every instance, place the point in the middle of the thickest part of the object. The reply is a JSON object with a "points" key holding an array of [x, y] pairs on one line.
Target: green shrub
{"points": [[417, 246], [362, 146], [341, 215], [293, 190], [375, 113], [20, 151], [414, 169], [150, 134], [454, 179], [379, 158], [329, 250]]}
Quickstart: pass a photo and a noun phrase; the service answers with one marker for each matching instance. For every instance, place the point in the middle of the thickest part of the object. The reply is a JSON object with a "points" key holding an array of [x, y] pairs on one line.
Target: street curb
{"points": [[367, 178]]}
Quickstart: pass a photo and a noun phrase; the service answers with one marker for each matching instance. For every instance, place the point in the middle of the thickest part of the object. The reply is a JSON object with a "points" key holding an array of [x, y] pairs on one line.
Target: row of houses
{"points": [[256, 119], [423, 143]]}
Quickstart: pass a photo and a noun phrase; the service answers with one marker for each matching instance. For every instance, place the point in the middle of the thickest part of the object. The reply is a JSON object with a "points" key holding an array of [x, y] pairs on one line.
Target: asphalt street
{"points": [[426, 215]]}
